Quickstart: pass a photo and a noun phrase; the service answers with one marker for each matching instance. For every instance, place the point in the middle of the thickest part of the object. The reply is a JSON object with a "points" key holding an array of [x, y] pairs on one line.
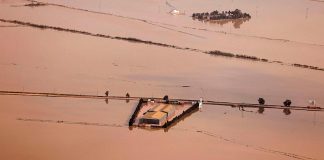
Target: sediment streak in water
{"points": [[203, 132], [267, 150], [39, 4], [136, 40], [254, 36]]}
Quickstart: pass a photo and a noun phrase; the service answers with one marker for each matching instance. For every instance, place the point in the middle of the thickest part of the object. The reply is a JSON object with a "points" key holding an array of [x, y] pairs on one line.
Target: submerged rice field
{"points": [[82, 47]]}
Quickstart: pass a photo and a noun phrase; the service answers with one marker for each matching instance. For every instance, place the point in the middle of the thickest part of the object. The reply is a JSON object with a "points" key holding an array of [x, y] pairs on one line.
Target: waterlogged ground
{"points": [[45, 60]]}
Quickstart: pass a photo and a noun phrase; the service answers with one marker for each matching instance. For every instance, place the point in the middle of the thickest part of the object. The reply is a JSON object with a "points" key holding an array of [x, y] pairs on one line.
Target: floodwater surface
{"points": [[60, 128], [45, 60]]}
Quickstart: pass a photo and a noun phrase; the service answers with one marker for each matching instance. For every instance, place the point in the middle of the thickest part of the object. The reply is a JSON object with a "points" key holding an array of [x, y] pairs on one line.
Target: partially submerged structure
{"points": [[174, 10], [177, 12], [154, 118], [160, 113]]}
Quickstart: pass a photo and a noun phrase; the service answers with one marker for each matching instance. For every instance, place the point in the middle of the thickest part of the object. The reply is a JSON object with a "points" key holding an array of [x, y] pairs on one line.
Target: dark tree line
{"points": [[216, 15]]}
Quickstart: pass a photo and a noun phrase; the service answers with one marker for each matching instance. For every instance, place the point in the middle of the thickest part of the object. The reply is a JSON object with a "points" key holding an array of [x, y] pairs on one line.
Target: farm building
{"points": [[155, 118], [158, 115], [169, 109]]}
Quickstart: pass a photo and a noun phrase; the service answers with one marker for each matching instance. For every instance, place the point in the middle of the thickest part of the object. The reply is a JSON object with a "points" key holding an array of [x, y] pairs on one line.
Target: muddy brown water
{"points": [[50, 61]]}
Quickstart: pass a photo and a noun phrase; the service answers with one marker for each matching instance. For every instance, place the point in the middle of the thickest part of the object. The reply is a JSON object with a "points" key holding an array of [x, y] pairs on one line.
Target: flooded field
{"points": [[88, 47]]}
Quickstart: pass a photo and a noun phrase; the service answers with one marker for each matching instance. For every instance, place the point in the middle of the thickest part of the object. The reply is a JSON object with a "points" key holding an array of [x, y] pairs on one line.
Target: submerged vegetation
{"points": [[216, 15], [35, 4], [240, 56]]}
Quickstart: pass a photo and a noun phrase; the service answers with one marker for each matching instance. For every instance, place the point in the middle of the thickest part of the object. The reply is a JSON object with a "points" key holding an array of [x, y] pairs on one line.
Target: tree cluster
{"points": [[216, 15]]}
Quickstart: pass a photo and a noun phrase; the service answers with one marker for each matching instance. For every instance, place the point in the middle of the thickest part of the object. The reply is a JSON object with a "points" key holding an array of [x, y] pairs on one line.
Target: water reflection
{"points": [[241, 108], [130, 128], [261, 110], [287, 111], [236, 22], [261, 102], [127, 97], [107, 101]]}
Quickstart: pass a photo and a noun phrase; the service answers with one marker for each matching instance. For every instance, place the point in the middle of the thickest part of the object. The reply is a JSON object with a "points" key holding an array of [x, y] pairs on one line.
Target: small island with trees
{"points": [[224, 15]]}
